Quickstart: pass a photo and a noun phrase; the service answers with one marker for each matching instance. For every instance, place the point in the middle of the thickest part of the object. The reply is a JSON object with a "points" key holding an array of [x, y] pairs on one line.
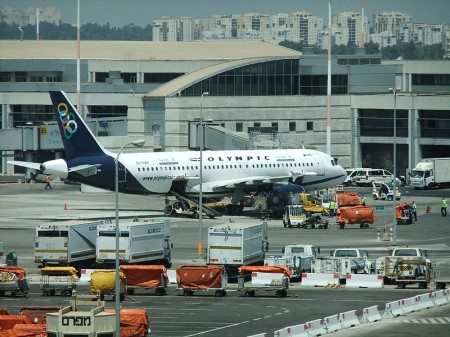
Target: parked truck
{"points": [[145, 242], [359, 259], [234, 245], [66, 244], [430, 173], [298, 258], [344, 261], [408, 259]]}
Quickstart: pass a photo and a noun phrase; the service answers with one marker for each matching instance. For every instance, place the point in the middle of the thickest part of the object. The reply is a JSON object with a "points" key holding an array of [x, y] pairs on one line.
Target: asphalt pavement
{"points": [[23, 206]]}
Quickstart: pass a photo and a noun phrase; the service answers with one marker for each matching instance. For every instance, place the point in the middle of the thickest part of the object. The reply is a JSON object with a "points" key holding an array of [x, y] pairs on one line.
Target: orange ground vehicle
{"points": [[145, 277], [351, 211], [404, 213]]}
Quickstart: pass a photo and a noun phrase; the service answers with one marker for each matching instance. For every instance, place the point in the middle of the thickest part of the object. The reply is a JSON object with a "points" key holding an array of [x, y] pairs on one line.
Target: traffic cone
{"points": [[65, 206]]}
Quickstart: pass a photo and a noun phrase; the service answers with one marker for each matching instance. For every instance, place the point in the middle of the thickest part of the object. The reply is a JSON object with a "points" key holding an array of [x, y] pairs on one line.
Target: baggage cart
{"points": [[14, 280], [210, 278], [264, 278], [103, 282], [58, 280], [145, 277], [401, 278]]}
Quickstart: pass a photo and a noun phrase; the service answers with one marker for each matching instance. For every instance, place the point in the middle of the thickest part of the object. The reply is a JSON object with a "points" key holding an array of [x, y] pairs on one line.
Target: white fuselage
{"points": [[228, 170]]}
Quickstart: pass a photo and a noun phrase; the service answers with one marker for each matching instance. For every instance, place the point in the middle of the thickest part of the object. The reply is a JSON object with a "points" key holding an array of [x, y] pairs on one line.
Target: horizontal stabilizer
{"points": [[27, 164], [85, 170]]}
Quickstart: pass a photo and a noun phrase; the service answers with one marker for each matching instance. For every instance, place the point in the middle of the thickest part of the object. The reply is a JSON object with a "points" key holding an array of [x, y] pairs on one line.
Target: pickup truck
{"points": [[359, 259], [298, 258], [395, 266]]}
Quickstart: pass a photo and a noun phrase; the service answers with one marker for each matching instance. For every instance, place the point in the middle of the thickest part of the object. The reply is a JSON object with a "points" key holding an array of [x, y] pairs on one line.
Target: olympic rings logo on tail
{"points": [[67, 120]]}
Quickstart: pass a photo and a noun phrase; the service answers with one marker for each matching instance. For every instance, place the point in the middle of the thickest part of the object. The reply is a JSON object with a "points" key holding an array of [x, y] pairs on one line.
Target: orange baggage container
{"points": [[362, 215], [191, 278], [348, 199], [146, 277], [7, 322], [133, 322], [38, 314]]}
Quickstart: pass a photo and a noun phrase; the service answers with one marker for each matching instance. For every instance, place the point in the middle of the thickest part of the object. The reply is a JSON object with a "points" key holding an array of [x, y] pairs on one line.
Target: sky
{"points": [[141, 12]]}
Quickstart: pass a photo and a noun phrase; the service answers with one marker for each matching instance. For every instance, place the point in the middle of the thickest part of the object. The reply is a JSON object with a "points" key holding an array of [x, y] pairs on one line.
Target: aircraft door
{"points": [[319, 164]]}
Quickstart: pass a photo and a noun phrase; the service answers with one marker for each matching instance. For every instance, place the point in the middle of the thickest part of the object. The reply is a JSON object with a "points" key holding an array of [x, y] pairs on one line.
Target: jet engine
{"points": [[57, 167]]}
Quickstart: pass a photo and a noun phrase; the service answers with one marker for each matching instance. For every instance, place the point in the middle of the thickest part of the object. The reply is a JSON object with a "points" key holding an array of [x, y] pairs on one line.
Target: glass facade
{"points": [[434, 123], [379, 123], [273, 78]]}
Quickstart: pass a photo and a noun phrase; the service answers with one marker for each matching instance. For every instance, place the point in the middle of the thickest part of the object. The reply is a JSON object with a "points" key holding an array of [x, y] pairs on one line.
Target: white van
{"points": [[351, 174], [366, 177]]}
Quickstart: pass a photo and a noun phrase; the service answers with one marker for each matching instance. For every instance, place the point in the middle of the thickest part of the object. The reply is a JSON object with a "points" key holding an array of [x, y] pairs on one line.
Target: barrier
{"points": [[316, 328], [424, 301], [371, 314], [409, 305], [300, 330], [259, 278], [364, 281], [349, 319], [172, 275], [440, 298], [332, 323], [393, 309], [319, 279], [85, 277]]}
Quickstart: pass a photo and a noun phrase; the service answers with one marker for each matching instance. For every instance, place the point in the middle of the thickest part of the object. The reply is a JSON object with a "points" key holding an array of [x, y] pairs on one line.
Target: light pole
{"points": [[394, 223], [138, 143], [200, 196]]}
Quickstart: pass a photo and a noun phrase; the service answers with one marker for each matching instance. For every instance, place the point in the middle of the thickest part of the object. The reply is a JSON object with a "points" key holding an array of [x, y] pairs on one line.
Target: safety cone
{"points": [[65, 206]]}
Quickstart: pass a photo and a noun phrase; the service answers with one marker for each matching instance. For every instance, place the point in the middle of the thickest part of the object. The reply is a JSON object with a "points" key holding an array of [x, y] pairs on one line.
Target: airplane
{"points": [[225, 173]]}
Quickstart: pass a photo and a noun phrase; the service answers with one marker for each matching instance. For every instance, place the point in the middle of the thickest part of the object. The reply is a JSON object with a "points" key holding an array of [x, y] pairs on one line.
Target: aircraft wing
{"points": [[248, 182], [257, 180], [27, 164], [85, 170]]}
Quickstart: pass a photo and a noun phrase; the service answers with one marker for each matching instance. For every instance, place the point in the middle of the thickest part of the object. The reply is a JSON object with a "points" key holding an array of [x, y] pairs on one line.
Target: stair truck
{"points": [[70, 243], [235, 245], [142, 242]]}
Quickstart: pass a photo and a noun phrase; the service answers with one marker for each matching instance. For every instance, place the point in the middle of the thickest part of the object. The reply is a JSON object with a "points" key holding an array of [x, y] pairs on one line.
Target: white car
{"points": [[382, 191]]}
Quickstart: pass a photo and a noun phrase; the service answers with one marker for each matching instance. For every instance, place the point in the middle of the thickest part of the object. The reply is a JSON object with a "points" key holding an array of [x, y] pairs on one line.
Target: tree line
{"points": [[404, 50], [131, 32]]}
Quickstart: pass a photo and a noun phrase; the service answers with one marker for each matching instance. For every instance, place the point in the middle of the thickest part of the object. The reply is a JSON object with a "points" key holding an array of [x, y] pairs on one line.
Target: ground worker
{"points": [[332, 209], [363, 200], [48, 179], [444, 206], [414, 210]]}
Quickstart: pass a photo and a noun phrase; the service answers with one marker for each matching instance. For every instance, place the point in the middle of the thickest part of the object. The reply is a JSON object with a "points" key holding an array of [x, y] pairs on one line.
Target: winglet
{"points": [[77, 138]]}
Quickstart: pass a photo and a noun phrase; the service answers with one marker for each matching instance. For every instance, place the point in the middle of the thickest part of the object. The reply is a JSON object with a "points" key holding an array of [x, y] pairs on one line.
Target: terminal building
{"points": [[251, 94]]}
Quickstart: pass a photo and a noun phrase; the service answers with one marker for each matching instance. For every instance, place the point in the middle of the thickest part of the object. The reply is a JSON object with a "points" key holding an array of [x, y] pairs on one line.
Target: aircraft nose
{"points": [[341, 173]]}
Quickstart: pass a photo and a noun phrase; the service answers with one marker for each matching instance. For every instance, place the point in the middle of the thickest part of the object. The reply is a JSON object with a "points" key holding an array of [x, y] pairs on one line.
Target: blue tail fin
{"points": [[77, 138]]}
